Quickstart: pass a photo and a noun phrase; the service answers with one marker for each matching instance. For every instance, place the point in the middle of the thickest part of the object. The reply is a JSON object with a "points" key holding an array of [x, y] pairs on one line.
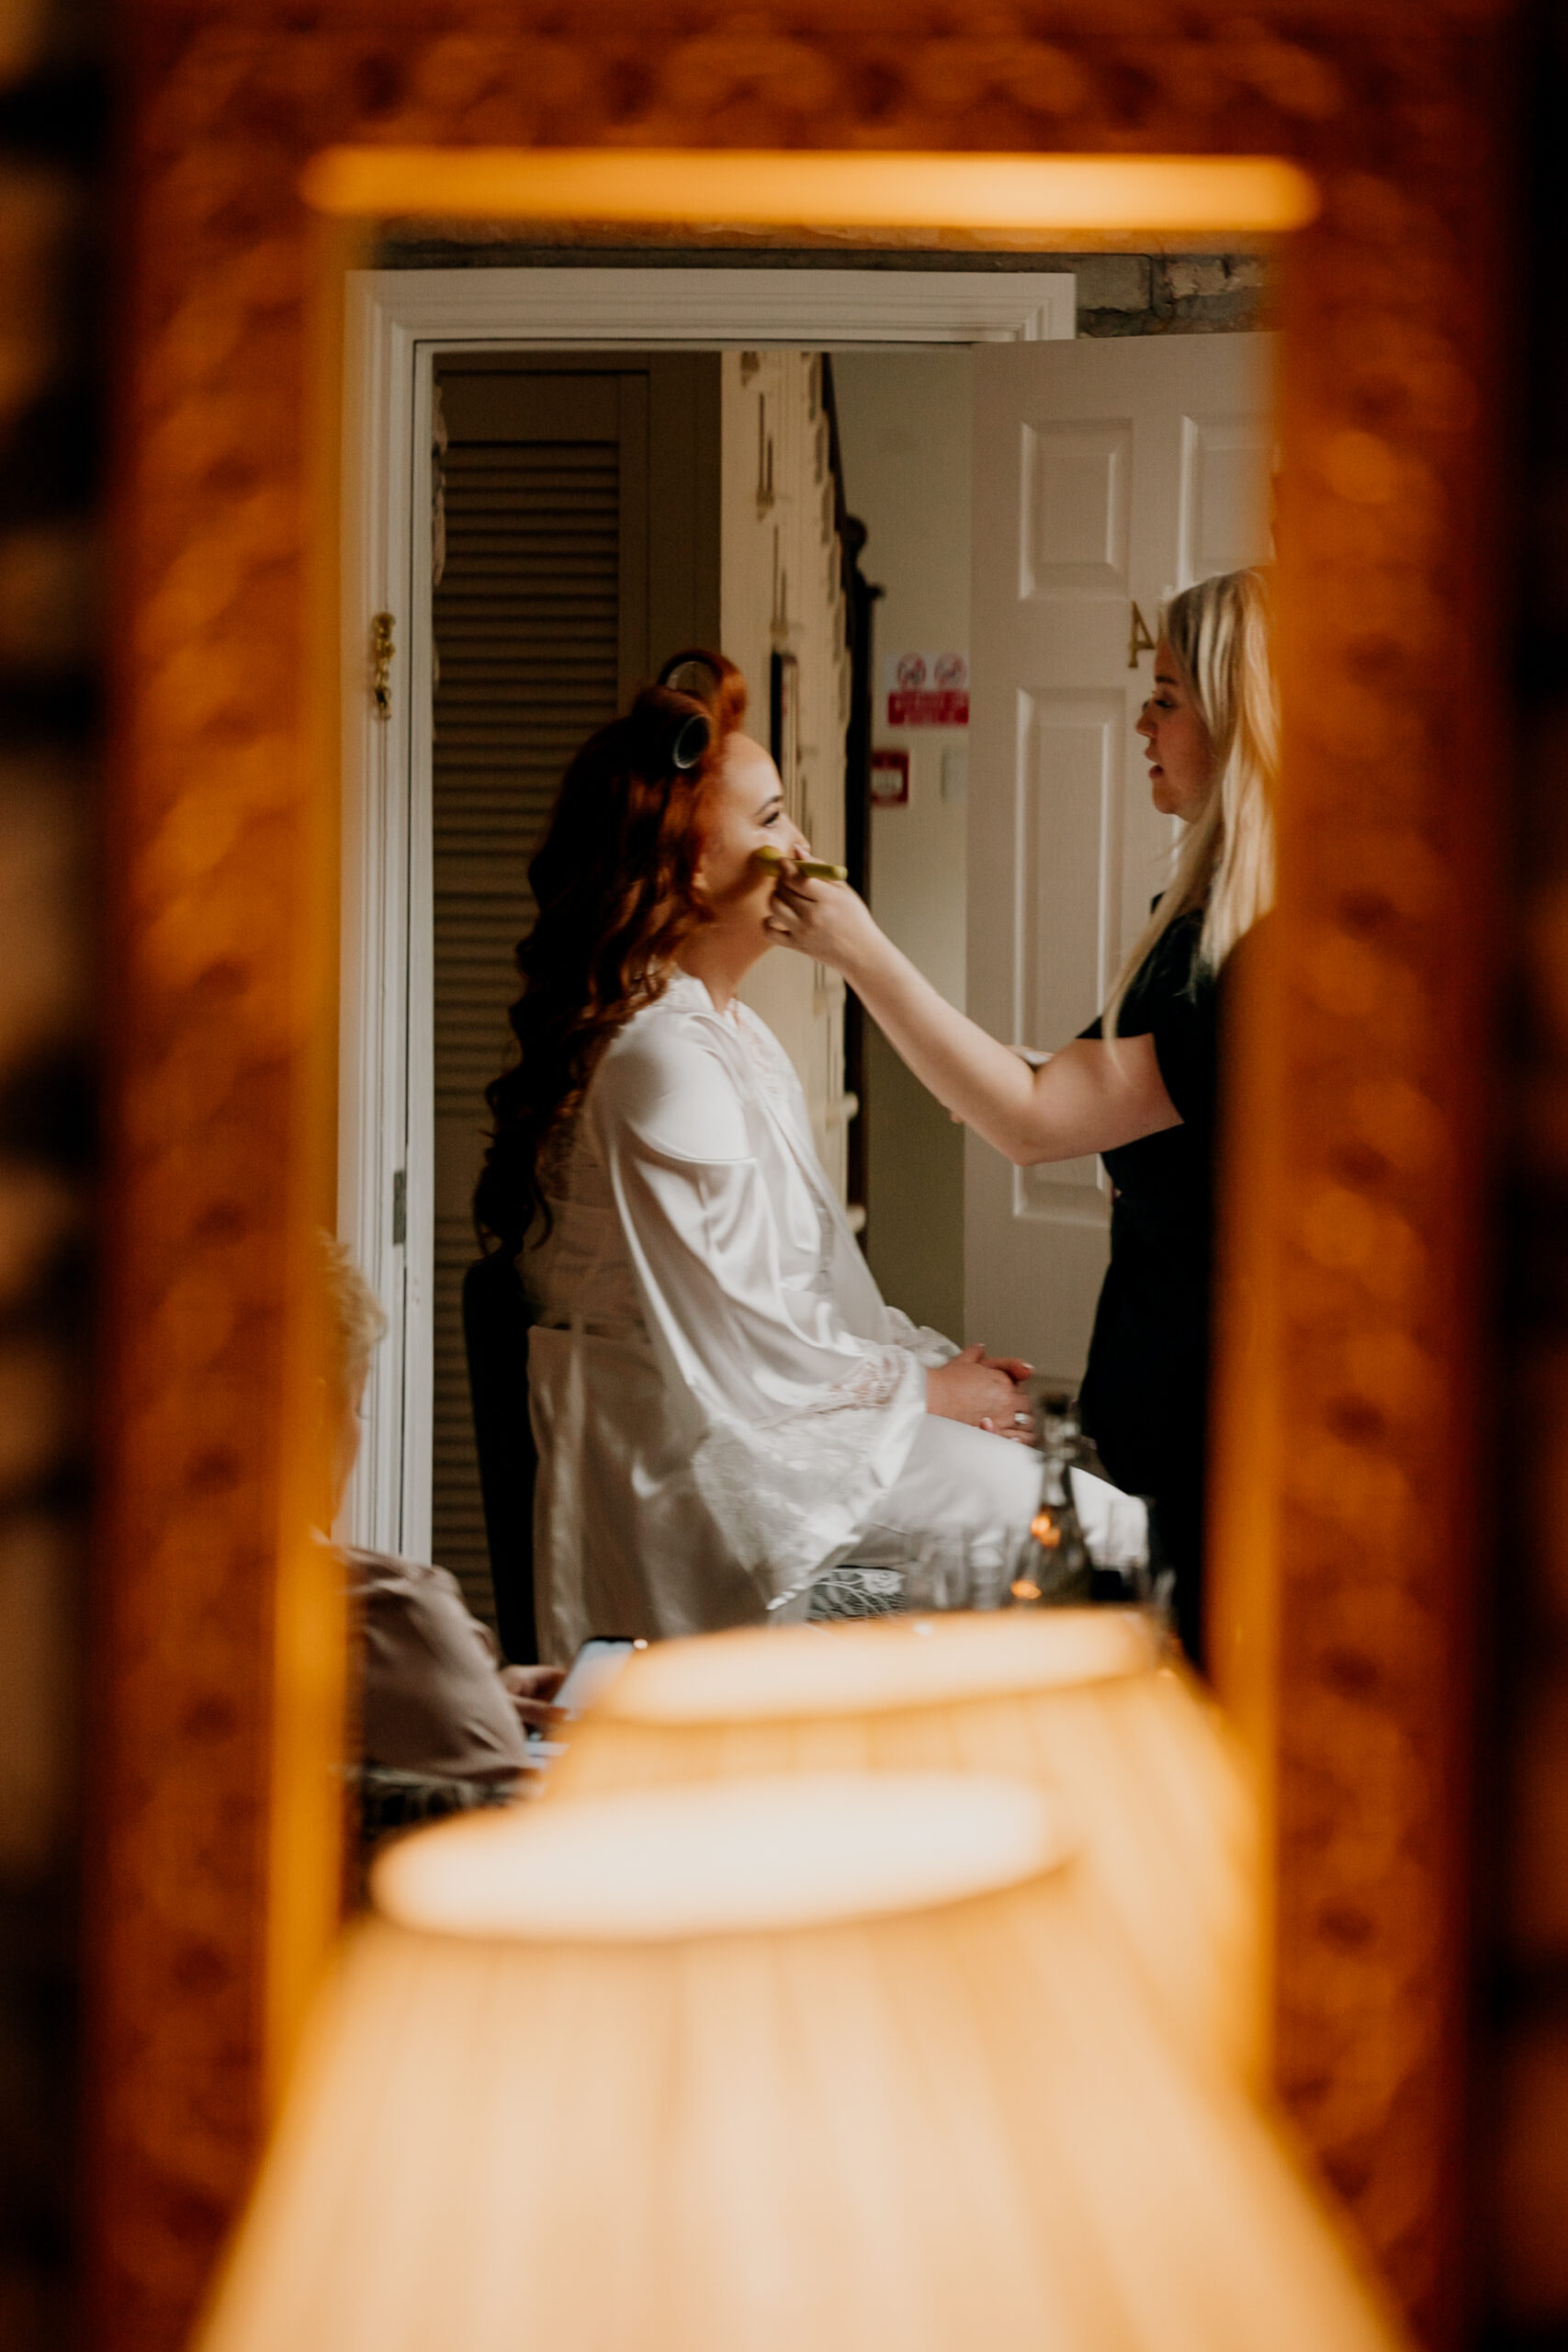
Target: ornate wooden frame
{"points": [[1350, 1457]]}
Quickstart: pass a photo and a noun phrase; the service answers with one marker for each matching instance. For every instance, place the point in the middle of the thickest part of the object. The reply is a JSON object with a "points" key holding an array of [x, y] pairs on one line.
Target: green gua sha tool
{"points": [[815, 869]]}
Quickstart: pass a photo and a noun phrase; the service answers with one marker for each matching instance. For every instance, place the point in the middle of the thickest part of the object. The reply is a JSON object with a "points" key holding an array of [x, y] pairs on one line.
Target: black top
{"points": [[1145, 1392]]}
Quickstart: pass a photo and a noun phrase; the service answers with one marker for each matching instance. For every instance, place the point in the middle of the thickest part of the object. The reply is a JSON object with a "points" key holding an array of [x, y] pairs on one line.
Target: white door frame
{"points": [[398, 321]]}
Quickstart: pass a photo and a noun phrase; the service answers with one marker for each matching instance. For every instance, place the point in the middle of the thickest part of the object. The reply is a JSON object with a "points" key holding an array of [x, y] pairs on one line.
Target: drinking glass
{"points": [[954, 1568]]}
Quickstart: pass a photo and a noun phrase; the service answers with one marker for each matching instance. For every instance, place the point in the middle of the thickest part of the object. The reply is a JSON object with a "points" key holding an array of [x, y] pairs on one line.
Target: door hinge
{"points": [[400, 1208], [381, 628]]}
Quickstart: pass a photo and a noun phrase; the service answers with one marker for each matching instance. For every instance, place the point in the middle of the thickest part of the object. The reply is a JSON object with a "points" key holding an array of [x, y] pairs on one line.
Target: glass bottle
{"points": [[1055, 1569]]}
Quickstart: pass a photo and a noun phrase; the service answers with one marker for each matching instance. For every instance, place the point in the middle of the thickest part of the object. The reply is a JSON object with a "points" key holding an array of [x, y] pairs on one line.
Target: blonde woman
{"points": [[1138, 1086]]}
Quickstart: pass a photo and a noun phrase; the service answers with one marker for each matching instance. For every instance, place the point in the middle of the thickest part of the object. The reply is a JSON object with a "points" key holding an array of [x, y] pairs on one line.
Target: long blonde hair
{"points": [[1219, 631]]}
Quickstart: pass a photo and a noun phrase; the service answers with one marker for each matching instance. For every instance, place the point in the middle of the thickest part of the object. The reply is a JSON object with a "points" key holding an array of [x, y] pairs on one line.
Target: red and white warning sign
{"points": [[927, 689]]}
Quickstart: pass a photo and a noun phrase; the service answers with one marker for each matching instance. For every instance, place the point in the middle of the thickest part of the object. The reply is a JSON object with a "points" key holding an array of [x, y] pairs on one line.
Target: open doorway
{"points": [[593, 503], [596, 513]]}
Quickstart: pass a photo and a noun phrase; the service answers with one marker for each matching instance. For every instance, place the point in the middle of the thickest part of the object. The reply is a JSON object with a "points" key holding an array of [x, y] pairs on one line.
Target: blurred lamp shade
{"points": [[842, 2064], [1080, 1700]]}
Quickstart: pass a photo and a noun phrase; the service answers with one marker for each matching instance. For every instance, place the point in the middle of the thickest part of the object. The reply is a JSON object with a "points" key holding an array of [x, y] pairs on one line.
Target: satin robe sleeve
{"points": [[799, 1424], [932, 1346]]}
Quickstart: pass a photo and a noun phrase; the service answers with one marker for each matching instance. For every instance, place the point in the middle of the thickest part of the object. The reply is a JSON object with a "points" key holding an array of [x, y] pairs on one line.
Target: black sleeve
{"points": [[1176, 1005], [1185, 1029]]}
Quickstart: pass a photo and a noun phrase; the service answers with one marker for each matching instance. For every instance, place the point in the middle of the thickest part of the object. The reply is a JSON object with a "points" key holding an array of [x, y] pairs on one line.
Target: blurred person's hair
{"points": [[357, 1321], [616, 885], [1220, 632]]}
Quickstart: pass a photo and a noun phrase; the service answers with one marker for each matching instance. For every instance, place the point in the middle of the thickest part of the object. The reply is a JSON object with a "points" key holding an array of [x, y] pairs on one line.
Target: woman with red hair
{"points": [[724, 1406]]}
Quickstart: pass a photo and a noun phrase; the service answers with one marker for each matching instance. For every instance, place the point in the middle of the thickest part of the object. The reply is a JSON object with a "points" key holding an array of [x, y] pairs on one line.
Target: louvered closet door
{"points": [[540, 622]]}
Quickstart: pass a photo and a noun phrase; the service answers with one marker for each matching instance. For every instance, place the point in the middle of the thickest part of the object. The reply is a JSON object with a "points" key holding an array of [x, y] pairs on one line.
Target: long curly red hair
{"points": [[616, 885]]}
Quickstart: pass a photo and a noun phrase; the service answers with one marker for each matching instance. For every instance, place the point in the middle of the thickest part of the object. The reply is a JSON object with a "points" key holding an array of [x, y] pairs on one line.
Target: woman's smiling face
{"points": [[1181, 756], [743, 811]]}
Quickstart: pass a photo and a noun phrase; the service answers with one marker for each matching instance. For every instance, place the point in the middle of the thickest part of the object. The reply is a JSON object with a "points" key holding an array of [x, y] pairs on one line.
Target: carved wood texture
{"points": [[1390, 801]]}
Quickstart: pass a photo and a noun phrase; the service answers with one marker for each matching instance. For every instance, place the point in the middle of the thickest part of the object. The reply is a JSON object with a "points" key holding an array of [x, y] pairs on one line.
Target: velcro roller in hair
{"points": [[688, 737]]}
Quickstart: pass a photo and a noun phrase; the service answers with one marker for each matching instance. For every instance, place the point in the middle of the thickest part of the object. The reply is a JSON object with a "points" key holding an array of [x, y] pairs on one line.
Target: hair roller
{"points": [[689, 738], [692, 674], [666, 734]]}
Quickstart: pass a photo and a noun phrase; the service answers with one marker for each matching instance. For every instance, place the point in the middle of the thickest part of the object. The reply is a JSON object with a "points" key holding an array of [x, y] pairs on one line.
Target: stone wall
{"points": [[1172, 293]]}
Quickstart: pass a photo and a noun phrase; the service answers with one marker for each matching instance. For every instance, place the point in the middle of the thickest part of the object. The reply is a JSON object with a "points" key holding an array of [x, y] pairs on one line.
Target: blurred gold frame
{"points": [[262, 145]]}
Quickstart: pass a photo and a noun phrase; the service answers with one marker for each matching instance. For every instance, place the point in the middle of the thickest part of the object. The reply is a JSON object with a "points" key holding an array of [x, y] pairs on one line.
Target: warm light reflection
{"points": [[1061, 195], [722, 1858], [782, 1672], [1076, 1702], [962, 2123]]}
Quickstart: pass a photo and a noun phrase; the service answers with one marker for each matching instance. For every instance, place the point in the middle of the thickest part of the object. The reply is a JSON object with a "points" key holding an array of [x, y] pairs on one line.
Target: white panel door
{"points": [[1107, 474]]}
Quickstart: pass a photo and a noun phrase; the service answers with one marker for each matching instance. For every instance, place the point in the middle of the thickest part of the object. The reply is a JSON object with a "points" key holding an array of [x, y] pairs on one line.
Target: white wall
{"points": [[904, 419], [905, 426], [781, 588]]}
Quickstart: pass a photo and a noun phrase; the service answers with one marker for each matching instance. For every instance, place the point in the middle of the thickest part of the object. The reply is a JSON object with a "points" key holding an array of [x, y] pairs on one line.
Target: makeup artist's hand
{"points": [[823, 919]]}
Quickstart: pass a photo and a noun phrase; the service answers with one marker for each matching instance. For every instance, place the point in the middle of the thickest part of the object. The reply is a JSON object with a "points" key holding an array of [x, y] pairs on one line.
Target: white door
{"points": [[1107, 475]]}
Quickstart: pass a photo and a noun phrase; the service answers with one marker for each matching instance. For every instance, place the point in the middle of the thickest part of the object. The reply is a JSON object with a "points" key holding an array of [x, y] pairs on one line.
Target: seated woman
{"points": [[725, 1409]]}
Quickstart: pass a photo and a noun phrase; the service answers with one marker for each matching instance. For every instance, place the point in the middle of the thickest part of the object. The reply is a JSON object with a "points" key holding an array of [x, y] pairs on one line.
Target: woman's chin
{"points": [[744, 921], [757, 912]]}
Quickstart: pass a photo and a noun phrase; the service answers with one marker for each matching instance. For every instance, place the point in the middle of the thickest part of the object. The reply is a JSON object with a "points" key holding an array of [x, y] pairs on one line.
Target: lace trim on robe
{"points": [[869, 1388]]}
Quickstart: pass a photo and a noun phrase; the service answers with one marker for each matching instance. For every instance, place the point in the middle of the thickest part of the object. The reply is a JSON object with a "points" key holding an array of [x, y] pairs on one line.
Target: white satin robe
{"points": [[723, 1403]]}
